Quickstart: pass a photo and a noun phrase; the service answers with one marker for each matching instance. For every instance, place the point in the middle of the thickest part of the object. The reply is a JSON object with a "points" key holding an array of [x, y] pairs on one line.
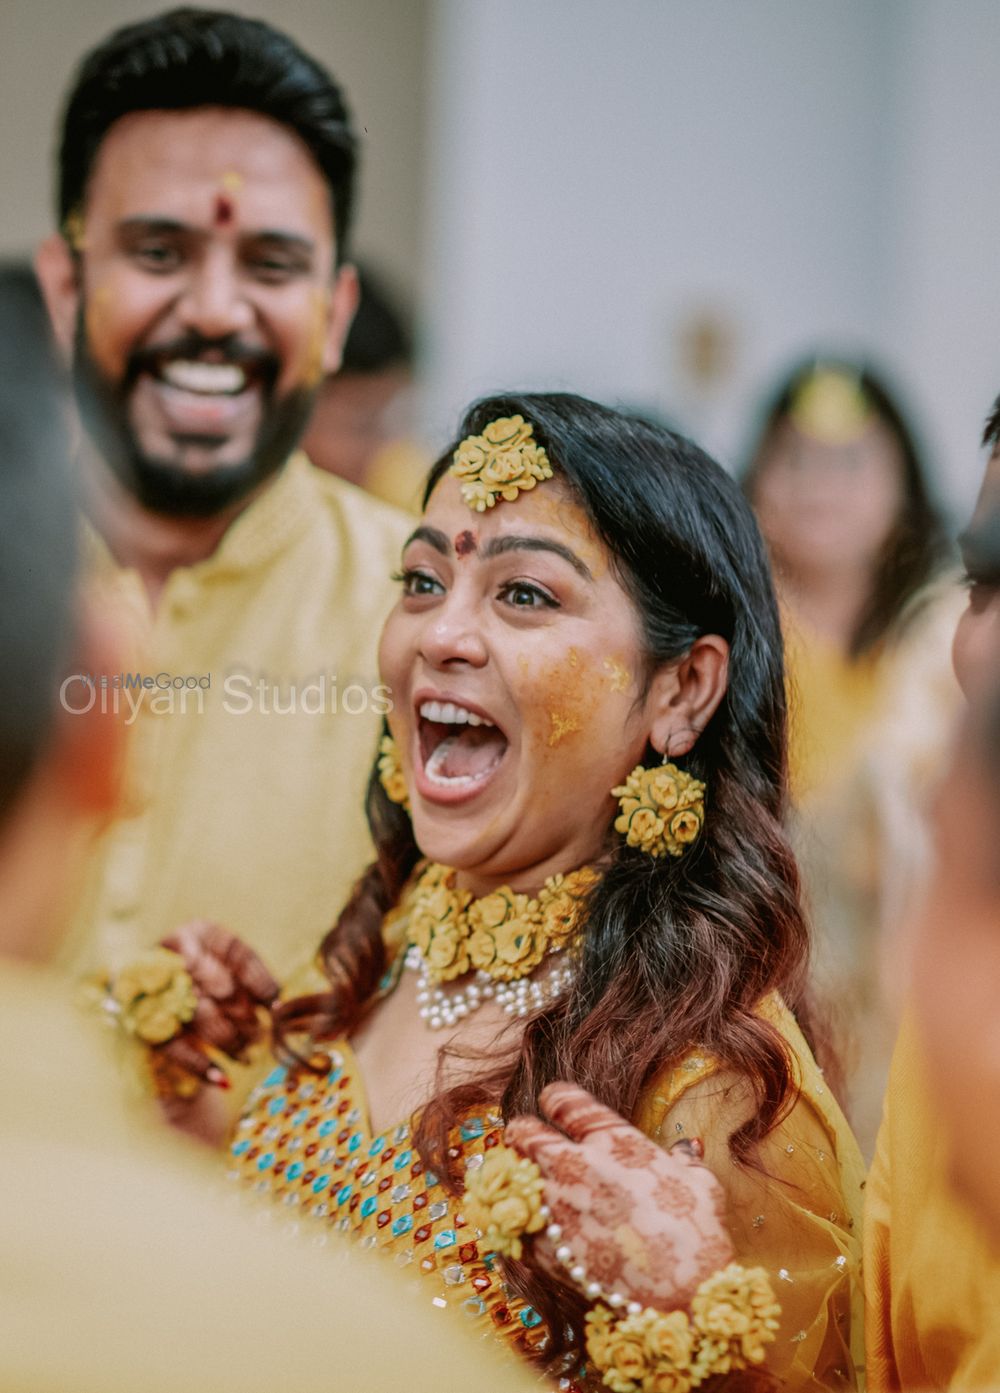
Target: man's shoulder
{"points": [[358, 515]]}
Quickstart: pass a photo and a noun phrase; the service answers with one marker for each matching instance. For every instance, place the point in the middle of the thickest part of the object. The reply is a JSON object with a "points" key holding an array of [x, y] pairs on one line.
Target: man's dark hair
{"points": [[189, 58], [37, 533]]}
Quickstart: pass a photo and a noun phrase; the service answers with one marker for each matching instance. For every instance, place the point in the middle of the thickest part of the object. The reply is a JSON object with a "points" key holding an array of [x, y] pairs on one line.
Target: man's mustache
{"points": [[256, 362]]}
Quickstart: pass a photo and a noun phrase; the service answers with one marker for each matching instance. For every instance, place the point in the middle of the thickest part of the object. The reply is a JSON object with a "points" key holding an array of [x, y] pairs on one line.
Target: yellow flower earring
{"points": [[390, 773], [662, 809]]}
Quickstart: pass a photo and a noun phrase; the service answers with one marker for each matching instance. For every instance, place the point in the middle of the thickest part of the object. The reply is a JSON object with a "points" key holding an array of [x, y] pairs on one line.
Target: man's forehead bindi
{"points": [[225, 210], [465, 543]]}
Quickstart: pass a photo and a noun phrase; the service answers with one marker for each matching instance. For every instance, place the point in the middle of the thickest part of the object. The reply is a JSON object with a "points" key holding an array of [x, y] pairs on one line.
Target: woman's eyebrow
{"points": [[500, 545], [432, 536]]}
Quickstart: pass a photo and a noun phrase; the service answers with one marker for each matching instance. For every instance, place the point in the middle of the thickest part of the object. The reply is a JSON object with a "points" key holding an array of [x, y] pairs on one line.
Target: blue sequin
{"points": [[275, 1077], [320, 1184], [334, 1075], [325, 1128], [530, 1318], [240, 1147], [403, 1159], [368, 1206], [355, 1142], [431, 1180], [344, 1193], [263, 1162], [299, 1118], [275, 1106], [472, 1129], [295, 1170], [447, 1238], [377, 1145], [402, 1225]]}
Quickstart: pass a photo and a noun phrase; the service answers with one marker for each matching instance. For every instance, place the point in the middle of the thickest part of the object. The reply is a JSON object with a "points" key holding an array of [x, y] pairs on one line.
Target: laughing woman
{"points": [[581, 876]]}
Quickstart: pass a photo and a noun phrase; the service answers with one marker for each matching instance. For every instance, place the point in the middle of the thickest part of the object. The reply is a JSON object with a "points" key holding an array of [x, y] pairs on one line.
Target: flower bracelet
{"points": [[732, 1319], [151, 1000]]}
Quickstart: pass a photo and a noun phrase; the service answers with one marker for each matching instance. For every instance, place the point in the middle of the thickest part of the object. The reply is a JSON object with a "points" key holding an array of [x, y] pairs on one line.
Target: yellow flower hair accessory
{"points": [[831, 406], [154, 997], [500, 463], [662, 809], [390, 772], [504, 1199], [734, 1317]]}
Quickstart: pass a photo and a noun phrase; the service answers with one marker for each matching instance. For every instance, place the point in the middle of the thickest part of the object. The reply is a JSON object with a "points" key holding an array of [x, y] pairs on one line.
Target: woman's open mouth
{"points": [[460, 750]]}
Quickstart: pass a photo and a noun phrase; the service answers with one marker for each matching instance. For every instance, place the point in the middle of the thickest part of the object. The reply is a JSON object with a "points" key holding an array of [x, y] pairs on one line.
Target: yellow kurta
{"points": [[245, 801], [932, 1284], [123, 1267], [306, 1143]]}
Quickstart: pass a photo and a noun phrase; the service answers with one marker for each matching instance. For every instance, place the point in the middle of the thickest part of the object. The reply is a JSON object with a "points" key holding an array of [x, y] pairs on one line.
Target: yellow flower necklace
{"points": [[502, 938]]}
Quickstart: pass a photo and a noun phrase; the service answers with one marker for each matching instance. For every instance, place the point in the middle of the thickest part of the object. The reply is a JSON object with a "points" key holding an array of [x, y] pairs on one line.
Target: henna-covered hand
{"points": [[643, 1224], [232, 986]]}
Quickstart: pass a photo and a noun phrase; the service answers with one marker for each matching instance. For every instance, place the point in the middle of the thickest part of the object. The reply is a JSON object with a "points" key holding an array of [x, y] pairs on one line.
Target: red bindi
{"points": [[223, 210], [464, 543]]}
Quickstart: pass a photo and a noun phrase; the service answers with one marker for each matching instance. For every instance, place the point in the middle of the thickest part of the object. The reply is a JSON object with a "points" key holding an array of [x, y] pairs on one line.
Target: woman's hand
{"points": [[638, 1222], [232, 985]]}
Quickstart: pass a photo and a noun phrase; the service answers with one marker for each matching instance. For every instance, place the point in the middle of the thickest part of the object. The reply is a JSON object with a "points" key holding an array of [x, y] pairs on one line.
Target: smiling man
{"points": [[199, 284]]}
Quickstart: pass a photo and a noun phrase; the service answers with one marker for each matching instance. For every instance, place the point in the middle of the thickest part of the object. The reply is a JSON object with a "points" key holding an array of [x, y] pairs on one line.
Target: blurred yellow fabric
{"points": [[798, 1215], [932, 1285], [244, 802], [831, 698], [124, 1267]]}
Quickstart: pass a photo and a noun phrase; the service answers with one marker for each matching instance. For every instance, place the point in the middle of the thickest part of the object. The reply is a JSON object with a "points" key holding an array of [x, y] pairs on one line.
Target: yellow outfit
{"points": [[932, 1284], [305, 1141], [244, 802], [123, 1268], [831, 698]]}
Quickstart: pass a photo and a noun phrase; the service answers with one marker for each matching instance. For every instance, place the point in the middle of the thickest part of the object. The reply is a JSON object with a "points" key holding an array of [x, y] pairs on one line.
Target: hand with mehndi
{"points": [[232, 985], [633, 1222]]}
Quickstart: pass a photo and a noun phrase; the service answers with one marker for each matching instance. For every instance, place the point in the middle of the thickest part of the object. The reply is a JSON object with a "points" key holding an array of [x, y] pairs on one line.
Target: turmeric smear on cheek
{"points": [[313, 368], [96, 318], [562, 725], [619, 677]]}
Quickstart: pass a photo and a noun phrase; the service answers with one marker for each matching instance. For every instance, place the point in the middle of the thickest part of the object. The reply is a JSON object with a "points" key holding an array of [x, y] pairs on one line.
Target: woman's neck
{"points": [[830, 603]]}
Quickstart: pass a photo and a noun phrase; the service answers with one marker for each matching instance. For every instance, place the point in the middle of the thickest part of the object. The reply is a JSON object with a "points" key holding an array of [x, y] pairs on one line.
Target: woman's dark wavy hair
{"points": [[675, 952], [191, 57], [916, 546]]}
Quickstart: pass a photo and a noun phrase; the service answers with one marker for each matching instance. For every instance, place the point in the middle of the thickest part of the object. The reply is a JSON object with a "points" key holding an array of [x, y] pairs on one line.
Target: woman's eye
{"points": [[418, 583], [522, 595]]}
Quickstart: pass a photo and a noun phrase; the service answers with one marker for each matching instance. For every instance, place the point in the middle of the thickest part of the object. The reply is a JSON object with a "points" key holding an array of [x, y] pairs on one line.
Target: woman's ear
{"points": [[685, 695]]}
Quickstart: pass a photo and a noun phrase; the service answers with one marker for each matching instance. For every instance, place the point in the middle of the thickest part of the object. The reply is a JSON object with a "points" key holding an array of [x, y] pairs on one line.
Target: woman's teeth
{"points": [[447, 713], [208, 379]]}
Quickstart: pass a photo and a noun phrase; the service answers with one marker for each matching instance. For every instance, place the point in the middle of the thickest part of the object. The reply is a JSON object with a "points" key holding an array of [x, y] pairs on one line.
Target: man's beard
{"points": [[165, 485]]}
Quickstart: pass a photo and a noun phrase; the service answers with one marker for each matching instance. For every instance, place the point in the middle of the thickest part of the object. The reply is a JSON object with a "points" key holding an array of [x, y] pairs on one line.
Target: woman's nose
{"points": [[453, 635]]}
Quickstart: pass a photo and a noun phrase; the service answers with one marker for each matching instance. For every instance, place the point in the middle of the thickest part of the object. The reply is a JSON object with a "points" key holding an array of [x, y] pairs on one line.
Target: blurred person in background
{"points": [[932, 1253], [120, 1267], [360, 426], [199, 283], [840, 490]]}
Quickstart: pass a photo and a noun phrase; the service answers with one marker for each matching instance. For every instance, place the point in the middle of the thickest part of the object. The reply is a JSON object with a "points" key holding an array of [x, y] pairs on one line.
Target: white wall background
{"points": [[816, 173]]}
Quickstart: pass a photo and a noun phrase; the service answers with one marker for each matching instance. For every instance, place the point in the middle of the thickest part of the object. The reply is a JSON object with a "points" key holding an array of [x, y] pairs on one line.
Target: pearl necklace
{"points": [[443, 1008]]}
